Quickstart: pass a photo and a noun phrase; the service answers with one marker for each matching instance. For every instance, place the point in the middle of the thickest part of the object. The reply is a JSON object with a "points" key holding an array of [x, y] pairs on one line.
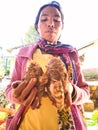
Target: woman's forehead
{"points": [[50, 10]]}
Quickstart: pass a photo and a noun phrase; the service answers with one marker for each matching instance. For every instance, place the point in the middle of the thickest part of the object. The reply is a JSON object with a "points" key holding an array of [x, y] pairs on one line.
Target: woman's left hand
{"points": [[68, 94], [61, 95]]}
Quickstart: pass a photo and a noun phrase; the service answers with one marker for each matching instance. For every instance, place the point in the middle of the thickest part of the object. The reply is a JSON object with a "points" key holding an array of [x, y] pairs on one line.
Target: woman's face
{"points": [[50, 24]]}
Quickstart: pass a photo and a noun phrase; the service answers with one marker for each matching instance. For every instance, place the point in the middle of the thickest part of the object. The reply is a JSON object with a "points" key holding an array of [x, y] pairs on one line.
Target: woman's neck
{"points": [[49, 42]]}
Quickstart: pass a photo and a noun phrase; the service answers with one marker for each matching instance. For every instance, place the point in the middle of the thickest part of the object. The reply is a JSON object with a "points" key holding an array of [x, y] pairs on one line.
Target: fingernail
{"points": [[33, 79]]}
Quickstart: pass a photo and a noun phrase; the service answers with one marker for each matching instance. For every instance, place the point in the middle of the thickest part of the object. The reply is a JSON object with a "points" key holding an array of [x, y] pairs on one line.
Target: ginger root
{"points": [[51, 83], [58, 79], [35, 71]]}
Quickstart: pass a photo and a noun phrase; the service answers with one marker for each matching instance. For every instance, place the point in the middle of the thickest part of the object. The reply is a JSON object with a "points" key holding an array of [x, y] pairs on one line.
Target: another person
{"points": [[49, 23]]}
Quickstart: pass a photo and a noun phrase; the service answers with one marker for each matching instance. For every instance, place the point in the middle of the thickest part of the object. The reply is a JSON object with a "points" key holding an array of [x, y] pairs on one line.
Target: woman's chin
{"points": [[50, 40]]}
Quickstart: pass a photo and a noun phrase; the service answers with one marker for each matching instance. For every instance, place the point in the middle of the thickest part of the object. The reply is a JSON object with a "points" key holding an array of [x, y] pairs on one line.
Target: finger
{"points": [[15, 84], [18, 90], [26, 91], [68, 99], [31, 97], [35, 103]]}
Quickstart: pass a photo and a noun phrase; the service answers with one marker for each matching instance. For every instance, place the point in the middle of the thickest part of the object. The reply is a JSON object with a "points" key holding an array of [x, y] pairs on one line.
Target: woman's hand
{"points": [[68, 94], [57, 92], [62, 96], [24, 91]]}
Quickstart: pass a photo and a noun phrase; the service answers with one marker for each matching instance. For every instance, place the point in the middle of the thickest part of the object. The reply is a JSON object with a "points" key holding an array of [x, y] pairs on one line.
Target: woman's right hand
{"points": [[25, 91]]}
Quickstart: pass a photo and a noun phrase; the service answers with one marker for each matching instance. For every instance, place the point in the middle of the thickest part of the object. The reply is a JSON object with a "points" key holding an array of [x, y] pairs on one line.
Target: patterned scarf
{"points": [[66, 52]]}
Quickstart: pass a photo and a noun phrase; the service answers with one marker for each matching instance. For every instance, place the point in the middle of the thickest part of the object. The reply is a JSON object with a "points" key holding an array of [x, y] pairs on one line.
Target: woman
{"points": [[49, 24]]}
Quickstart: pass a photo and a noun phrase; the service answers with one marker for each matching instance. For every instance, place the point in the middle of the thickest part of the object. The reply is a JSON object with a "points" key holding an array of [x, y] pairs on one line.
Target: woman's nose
{"points": [[51, 24]]}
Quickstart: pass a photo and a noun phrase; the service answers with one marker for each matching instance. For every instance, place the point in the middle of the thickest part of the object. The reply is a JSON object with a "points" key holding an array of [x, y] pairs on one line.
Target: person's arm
{"points": [[81, 91], [16, 76]]}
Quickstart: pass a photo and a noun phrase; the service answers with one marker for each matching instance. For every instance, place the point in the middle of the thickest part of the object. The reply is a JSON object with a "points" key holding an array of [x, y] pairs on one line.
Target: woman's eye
{"points": [[57, 20], [43, 20]]}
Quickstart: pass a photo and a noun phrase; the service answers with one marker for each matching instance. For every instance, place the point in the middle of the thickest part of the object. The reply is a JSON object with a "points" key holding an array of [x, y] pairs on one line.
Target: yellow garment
{"points": [[44, 118], [41, 59]]}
